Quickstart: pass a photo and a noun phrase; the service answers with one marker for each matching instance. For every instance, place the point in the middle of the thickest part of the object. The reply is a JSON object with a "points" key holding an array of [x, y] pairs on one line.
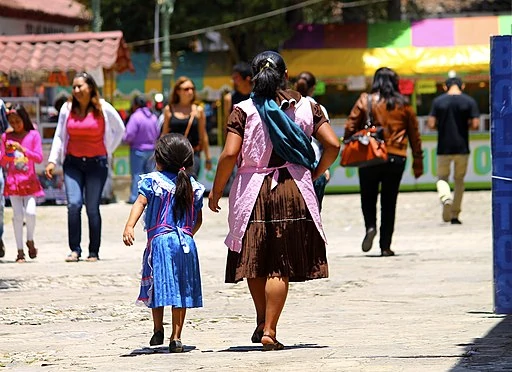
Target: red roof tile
{"points": [[62, 52], [61, 8]]}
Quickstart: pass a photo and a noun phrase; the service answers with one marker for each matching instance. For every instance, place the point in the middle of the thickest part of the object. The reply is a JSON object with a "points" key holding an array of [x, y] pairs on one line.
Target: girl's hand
{"points": [[128, 236], [49, 170], [15, 146], [213, 201]]}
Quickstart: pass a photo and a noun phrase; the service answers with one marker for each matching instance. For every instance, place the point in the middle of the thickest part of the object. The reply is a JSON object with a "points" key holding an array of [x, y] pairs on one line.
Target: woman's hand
{"points": [[128, 236], [213, 201], [327, 175], [48, 172], [417, 167], [208, 164]]}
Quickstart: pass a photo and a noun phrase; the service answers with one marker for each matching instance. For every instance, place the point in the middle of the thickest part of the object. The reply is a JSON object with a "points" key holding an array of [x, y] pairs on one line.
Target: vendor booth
{"points": [[37, 69]]}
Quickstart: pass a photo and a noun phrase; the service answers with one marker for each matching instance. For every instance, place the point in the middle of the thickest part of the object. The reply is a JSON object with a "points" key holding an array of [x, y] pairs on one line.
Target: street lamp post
{"points": [[96, 14], [166, 8]]}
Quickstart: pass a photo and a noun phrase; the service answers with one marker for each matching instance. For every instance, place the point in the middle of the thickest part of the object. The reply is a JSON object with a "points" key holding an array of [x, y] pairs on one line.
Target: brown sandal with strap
{"points": [[32, 250], [276, 345], [21, 257], [258, 333]]}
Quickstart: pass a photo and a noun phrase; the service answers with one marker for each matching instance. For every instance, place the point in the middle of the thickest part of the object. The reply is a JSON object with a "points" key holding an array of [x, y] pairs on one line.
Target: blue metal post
{"points": [[501, 145]]}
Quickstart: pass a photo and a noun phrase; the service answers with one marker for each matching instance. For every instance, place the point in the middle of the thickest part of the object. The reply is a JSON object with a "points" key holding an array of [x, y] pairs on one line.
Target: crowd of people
{"points": [[275, 163]]}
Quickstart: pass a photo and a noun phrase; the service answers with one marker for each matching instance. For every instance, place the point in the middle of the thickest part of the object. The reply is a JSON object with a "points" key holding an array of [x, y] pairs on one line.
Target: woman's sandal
{"points": [[21, 257], [275, 345], [258, 333], [72, 257], [32, 250]]}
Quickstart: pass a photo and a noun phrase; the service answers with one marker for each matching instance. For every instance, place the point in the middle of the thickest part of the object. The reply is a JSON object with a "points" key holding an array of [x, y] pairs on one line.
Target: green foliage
{"points": [[248, 39], [134, 17]]}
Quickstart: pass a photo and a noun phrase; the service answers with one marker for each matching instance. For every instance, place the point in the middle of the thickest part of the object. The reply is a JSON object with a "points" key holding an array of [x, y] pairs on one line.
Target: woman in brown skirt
{"points": [[276, 233]]}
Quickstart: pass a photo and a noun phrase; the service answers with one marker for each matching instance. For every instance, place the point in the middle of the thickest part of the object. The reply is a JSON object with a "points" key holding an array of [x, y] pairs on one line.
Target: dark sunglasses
{"points": [[187, 89]]}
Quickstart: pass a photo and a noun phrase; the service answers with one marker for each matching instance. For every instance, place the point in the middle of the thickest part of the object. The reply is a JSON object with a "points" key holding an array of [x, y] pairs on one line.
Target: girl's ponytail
{"points": [[184, 195]]}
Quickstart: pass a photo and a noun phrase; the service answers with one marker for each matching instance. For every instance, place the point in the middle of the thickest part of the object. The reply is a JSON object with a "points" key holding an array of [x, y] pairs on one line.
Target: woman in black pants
{"points": [[391, 111]]}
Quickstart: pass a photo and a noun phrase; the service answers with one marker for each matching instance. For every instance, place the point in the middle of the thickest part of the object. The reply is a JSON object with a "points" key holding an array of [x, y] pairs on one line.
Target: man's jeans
{"points": [[84, 179], [140, 162]]}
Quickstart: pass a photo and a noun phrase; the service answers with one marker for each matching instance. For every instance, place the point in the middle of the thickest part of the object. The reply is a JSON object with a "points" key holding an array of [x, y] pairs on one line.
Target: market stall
{"points": [[36, 69]]}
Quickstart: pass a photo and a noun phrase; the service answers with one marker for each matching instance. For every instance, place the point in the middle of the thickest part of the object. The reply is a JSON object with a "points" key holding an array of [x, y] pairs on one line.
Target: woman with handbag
{"points": [[391, 111], [183, 116]]}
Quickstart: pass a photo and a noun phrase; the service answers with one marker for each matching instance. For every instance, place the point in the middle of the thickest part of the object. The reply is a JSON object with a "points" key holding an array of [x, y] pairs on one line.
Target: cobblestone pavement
{"points": [[427, 309]]}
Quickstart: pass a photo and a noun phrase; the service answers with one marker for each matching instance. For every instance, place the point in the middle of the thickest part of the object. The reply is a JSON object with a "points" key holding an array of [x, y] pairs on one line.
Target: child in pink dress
{"points": [[22, 149]]}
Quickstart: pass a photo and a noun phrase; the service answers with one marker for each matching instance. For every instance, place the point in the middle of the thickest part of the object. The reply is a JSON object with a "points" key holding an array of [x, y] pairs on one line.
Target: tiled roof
{"points": [[62, 52], [61, 8]]}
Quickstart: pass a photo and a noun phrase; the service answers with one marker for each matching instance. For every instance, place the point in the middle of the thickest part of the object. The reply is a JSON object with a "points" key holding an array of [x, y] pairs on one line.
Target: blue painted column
{"points": [[501, 145]]}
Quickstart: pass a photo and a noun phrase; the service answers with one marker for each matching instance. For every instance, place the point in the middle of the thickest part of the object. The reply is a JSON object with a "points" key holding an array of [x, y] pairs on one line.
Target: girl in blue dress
{"points": [[172, 201]]}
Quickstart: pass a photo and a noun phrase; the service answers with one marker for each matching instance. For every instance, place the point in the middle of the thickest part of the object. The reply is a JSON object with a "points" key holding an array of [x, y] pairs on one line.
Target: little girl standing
{"points": [[170, 266], [23, 148]]}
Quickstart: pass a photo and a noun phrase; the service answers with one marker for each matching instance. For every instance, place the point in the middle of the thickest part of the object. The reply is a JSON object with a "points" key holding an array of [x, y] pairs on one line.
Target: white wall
{"points": [[13, 26]]}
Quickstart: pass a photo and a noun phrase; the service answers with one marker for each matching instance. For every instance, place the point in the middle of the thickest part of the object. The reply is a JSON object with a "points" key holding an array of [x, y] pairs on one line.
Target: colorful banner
{"points": [[346, 179]]}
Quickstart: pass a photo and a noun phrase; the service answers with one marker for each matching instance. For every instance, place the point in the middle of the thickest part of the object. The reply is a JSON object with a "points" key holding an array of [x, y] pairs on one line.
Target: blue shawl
{"points": [[288, 139]]}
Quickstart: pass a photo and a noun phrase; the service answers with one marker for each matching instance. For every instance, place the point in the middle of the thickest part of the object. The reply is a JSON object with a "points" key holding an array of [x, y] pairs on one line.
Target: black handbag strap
{"points": [[369, 113]]}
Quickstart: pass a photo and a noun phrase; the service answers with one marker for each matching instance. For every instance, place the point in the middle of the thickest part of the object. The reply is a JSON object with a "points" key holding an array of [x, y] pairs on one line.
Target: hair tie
{"points": [[182, 168], [270, 64]]}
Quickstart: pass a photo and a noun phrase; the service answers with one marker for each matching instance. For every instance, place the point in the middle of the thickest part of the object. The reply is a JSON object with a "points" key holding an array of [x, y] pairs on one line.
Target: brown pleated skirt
{"points": [[281, 239]]}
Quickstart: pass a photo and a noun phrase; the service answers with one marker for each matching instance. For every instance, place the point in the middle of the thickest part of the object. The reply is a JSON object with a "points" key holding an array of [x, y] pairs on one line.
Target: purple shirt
{"points": [[142, 130]]}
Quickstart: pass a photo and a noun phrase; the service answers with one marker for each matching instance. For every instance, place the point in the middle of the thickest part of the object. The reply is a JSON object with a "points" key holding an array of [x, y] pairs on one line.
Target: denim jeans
{"points": [[84, 179], [197, 165], [140, 162]]}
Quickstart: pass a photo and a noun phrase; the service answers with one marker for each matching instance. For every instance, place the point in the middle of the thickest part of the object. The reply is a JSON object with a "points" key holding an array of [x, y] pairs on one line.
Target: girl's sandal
{"points": [[258, 333], [176, 346], [32, 250], [21, 257], [275, 345]]}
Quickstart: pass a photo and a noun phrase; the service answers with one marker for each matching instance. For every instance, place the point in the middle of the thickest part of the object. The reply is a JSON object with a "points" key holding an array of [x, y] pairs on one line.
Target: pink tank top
{"points": [[86, 136]]}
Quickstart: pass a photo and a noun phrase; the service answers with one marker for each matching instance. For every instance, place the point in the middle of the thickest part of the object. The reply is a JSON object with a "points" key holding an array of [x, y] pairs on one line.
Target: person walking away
{"points": [[452, 114], [183, 116], [141, 134], [305, 85], [242, 88], [88, 131], [23, 149], [170, 266], [3, 127], [276, 233], [391, 111]]}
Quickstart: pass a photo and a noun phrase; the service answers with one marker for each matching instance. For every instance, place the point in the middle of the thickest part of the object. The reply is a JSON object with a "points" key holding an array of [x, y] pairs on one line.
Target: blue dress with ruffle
{"points": [[170, 264]]}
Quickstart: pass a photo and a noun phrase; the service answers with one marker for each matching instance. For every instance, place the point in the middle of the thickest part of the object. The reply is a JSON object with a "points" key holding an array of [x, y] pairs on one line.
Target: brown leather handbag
{"points": [[365, 147]]}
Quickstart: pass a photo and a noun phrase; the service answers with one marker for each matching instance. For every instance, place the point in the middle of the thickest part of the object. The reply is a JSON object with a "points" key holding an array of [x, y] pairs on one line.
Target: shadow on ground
{"points": [[156, 350], [244, 349], [492, 353]]}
